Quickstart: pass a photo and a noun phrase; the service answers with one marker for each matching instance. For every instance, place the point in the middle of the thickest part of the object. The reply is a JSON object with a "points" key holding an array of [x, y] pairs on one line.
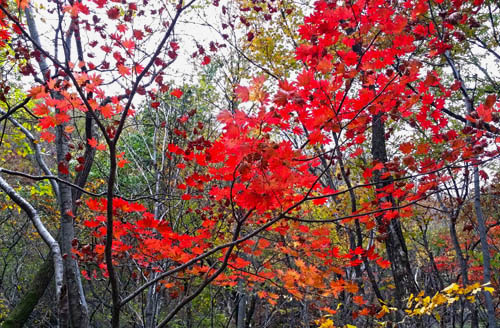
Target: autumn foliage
{"points": [[331, 186]]}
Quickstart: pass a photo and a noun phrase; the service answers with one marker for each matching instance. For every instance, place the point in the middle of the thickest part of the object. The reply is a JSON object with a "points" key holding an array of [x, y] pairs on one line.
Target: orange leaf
{"points": [[107, 111], [351, 287], [271, 301], [22, 3], [37, 92], [262, 294], [69, 129], [423, 149], [93, 143], [358, 300], [384, 264], [406, 147], [123, 70], [41, 109], [327, 309]]}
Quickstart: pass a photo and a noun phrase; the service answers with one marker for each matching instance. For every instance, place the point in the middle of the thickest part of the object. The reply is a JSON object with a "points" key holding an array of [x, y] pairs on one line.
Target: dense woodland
{"points": [[249, 163]]}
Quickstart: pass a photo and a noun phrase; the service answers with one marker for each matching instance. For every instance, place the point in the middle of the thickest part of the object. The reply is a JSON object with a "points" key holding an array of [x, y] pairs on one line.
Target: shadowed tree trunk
{"points": [[21, 313], [393, 235]]}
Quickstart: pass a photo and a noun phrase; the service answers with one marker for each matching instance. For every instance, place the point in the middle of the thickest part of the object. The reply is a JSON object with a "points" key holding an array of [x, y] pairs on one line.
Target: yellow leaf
{"points": [[451, 288], [410, 300], [438, 299], [327, 324]]}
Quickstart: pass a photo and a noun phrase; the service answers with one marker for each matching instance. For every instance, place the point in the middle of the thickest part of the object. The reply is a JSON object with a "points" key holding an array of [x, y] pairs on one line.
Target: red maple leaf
{"points": [[91, 223], [62, 168], [138, 34], [47, 122], [92, 142], [47, 136], [113, 13], [121, 163], [177, 93], [206, 60], [243, 93]]}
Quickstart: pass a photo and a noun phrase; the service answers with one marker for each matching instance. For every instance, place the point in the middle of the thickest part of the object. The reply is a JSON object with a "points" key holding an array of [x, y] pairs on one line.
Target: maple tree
{"points": [[312, 186]]}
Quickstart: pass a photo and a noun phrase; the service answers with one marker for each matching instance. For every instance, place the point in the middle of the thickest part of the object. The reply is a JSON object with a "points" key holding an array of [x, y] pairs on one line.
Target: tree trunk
{"points": [[483, 236], [151, 307], [73, 286], [463, 266], [251, 311], [394, 240], [23, 309], [242, 302], [76, 299]]}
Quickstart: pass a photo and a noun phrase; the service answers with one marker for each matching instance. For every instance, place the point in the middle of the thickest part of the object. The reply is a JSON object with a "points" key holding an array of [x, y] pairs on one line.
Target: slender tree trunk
{"points": [[74, 290], [305, 313], [483, 235], [77, 305], [251, 311], [242, 302], [428, 250], [463, 266], [151, 302], [151, 307], [394, 240]]}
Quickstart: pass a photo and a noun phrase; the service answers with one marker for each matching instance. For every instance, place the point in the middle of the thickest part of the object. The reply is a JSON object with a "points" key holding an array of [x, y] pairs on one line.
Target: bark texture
{"points": [[391, 231]]}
